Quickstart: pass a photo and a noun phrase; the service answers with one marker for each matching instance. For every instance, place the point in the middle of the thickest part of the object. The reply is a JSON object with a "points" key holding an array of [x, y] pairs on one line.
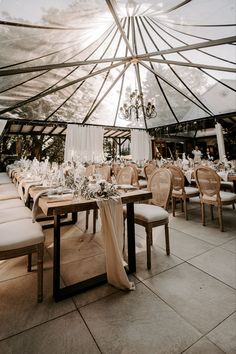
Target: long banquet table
{"points": [[58, 208], [232, 178]]}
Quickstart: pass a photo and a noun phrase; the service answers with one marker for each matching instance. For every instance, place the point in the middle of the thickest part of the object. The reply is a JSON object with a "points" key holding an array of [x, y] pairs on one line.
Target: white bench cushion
{"points": [[19, 213], [20, 233], [11, 203], [4, 178], [8, 191]]}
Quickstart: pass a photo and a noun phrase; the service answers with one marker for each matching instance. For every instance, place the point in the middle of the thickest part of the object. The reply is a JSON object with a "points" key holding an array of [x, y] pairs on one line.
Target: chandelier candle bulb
{"points": [[136, 109]]}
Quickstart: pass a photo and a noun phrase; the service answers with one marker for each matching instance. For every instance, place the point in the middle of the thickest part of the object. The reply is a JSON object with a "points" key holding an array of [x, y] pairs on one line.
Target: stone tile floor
{"points": [[185, 304]]}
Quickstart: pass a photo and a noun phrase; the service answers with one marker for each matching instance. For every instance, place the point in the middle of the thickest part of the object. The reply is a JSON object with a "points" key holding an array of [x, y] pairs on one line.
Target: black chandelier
{"points": [[137, 109]]}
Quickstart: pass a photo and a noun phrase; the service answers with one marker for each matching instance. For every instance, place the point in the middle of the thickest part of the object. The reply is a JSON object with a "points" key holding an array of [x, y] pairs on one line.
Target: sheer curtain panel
{"points": [[140, 145], [84, 143], [2, 125]]}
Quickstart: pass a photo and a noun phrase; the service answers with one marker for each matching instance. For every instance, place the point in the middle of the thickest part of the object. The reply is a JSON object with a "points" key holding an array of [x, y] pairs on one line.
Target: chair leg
{"points": [[167, 239], [233, 206], [40, 271], [29, 262], [182, 205], [148, 245], [185, 208], [220, 218], [212, 214], [173, 205], [203, 214]]}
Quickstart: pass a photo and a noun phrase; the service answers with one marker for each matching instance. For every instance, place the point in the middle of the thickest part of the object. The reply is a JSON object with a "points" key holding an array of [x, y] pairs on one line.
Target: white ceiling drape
{"points": [[84, 143], [140, 145], [220, 141]]}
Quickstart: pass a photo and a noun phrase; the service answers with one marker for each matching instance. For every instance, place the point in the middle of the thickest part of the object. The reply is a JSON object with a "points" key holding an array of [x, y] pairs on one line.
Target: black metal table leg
{"points": [[73, 289], [74, 217], [56, 257], [131, 238]]}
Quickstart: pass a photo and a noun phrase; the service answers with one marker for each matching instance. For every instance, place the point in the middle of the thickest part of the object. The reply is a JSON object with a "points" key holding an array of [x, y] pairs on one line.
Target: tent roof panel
{"points": [[68, 61]]}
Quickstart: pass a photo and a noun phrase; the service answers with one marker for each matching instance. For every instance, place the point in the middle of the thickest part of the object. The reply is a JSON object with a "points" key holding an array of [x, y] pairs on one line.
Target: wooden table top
{"points": [[232, 177], [80, 204]]}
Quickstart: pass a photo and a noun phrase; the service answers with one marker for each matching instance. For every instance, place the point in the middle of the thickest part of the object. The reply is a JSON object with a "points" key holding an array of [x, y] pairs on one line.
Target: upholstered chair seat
{"points": [[155, 214]]}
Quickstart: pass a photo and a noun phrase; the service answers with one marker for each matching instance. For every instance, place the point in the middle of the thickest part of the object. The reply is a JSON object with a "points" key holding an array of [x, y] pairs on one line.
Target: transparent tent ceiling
{"points": [[78, 61]]}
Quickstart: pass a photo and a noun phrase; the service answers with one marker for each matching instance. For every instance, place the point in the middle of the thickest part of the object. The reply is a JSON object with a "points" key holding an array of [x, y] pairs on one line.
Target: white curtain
{"points": [[140, 145], [84, 143], [220, 141], [2, 125]]}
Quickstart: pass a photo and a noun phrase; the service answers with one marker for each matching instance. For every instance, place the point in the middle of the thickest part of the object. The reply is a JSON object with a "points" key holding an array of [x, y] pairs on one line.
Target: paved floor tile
{"points": [[199, 298], [67, 334], [137, 322], [224, 335], [19, 309], [183, 245], [219, 263], [204, 346]]}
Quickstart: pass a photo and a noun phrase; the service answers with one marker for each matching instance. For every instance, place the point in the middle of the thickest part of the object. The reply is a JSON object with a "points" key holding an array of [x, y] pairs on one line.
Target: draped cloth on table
{"points": [[36, 201], [84, 143], [111, 211]]}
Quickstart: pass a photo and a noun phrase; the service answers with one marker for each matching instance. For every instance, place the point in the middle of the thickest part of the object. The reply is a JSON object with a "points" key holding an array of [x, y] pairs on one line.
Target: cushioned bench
{"points": [[13, 214], [22, 237], [4, 178], [11, 203], [8, 191]]}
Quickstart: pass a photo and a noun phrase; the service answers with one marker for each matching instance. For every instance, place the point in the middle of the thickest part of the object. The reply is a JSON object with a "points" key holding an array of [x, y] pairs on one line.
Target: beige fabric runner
{"points": [[111, 211], [36, 202]]}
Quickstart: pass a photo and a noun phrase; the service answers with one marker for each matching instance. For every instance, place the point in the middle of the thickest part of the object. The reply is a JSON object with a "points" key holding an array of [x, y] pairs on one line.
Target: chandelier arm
{"points": [[140, 90]]}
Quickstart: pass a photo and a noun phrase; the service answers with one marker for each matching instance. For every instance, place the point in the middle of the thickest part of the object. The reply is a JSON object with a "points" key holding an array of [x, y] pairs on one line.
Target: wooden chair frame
{"points": [[210, 195]]}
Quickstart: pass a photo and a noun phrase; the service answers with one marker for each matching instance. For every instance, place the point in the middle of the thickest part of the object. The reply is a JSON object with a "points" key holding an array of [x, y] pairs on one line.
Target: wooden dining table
{"points": [[58, 208], [232, 178]]}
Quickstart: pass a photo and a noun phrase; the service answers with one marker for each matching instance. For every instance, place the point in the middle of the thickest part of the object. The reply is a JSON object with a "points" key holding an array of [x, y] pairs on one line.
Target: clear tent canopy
{"points": [[77, 61]]}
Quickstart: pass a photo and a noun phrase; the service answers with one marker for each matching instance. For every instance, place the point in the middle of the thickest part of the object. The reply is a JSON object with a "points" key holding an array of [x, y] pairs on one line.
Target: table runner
{"points": [[111, 211]]}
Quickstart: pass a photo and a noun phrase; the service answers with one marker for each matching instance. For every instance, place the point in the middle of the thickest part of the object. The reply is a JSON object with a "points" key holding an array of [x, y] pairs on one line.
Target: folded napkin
{"points": [[111, 211]]}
